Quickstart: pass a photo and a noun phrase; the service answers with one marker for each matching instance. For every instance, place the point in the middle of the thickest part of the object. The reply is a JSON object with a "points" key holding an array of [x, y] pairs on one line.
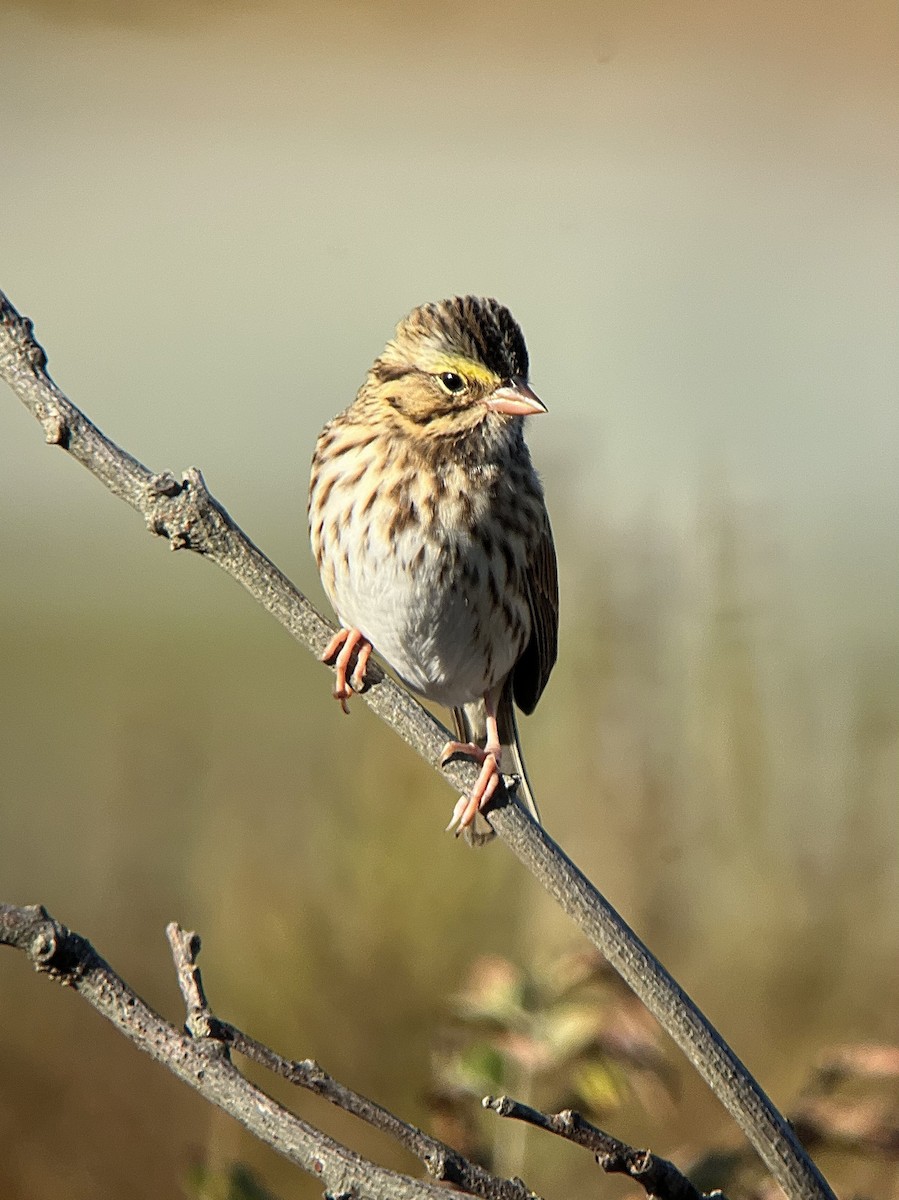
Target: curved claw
{"points": [[344, 644]]}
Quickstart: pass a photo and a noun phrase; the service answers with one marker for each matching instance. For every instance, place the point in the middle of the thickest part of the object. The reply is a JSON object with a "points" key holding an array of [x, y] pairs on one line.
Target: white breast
{"points": [[419, 587]]}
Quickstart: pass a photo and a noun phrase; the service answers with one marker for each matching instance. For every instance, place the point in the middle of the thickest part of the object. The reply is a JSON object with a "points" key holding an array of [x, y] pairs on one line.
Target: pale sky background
{"points": [[215, 214]]}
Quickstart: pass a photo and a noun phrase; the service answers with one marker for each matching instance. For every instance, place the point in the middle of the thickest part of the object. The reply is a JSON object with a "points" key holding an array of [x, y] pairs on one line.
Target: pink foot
{"points": [[468, 807], [344, 644]]}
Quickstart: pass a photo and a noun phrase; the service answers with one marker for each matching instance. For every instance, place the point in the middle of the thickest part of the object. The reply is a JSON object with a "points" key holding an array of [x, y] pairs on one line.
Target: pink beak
{"points": [[516, 400]]}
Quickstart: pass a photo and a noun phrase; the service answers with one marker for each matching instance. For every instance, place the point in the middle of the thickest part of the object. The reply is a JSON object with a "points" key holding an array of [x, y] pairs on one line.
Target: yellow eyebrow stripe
{"points": [[466, 368]]}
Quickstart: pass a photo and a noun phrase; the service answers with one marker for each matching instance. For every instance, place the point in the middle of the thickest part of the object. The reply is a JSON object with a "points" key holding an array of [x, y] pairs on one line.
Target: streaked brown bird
{"points": [[432, 538]]}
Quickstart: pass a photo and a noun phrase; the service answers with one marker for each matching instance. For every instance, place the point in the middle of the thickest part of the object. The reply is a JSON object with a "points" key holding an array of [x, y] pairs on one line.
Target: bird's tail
{"points": [[471, 726]]}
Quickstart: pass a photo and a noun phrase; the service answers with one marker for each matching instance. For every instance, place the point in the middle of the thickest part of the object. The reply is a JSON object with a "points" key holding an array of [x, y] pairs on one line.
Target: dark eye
{"points": [[452, 382]]}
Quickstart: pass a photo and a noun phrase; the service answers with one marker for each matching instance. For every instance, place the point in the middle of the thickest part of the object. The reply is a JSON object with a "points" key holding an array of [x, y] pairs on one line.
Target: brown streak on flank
{"points": [[418, 560], [322, 499], [351, 480], [369, 504], [405, 516], [344, 543]]}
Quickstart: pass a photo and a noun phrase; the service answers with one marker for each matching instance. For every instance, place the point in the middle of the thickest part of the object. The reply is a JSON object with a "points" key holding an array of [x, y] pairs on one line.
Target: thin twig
{"points": [[442, 1162], [657, 1176], [191, 518]]}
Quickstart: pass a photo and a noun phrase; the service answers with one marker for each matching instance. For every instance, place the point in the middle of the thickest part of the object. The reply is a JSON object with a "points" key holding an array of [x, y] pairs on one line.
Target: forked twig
{"points": [[442, 1161], [185, 513]]}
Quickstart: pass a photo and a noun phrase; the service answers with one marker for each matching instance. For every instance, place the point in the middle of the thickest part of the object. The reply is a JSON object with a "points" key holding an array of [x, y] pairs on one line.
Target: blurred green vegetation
{"points": [[726, 776], [566, 1033]]}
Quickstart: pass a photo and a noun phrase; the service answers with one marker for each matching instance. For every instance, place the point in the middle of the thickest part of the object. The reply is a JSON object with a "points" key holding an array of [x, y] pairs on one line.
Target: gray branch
{"points": [[185, 513], [204, 1064], [658, 1177]]}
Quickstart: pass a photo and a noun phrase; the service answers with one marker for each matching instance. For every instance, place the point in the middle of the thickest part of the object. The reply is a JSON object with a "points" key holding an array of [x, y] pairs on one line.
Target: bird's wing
{"points": [[533, 668]]}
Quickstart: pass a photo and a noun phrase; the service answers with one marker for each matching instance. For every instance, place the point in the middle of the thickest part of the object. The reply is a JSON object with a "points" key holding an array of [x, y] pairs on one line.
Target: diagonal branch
{"points": [[191, 518]]}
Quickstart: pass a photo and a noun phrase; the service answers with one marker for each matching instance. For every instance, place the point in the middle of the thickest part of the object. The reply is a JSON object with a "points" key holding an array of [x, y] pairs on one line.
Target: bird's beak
{"points": [[515, 399]]}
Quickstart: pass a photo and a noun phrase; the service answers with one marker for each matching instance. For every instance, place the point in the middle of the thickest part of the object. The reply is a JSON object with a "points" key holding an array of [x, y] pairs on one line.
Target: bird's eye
{"points": [[452, 382]]}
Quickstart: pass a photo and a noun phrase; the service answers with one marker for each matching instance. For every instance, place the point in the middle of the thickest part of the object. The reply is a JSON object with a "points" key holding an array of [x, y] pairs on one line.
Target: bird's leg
{"points": [[489, 756], [343, 644]]}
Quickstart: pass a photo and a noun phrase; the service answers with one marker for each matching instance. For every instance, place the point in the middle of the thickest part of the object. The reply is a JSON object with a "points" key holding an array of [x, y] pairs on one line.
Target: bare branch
{"points": [[657, 1176], [191, 518], [204, 1063], [442, 1161]]}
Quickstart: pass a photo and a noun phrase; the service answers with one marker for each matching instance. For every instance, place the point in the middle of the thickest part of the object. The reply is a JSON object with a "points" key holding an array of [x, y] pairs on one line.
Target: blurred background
{"points": [[215, 213]]}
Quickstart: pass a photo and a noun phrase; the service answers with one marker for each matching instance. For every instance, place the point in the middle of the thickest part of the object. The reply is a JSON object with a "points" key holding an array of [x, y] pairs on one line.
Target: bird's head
{"points": [[452, 366]]}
